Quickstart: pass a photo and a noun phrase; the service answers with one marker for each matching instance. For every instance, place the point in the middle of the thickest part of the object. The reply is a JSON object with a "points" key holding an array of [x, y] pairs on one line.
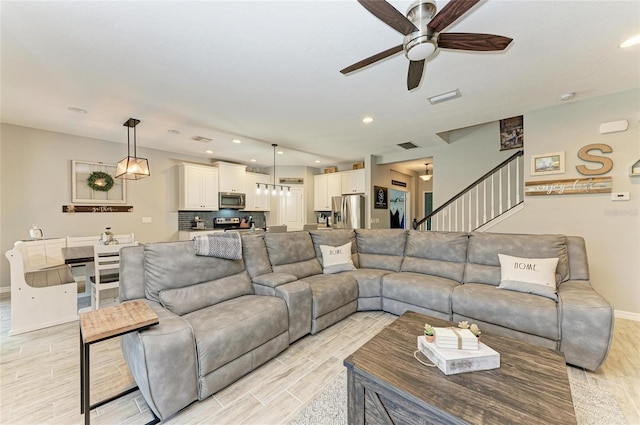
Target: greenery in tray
{"points": [[100, 181]]}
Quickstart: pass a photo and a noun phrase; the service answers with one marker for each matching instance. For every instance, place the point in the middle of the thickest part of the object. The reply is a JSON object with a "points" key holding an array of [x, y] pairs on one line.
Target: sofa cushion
{"points": [[170, 265], [526, 313], [381, 248], [256, 258], [336, 258], [431, 292], [330, 292], [335, 237], [191, 298], [228, 330], [530, 275], [483, 265], [436, 253], [369, 281], [274, 279], [292, 253]]}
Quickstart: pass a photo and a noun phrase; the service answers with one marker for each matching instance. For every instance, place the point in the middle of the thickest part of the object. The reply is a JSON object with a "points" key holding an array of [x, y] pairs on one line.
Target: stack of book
{"points": [[456, 338]]}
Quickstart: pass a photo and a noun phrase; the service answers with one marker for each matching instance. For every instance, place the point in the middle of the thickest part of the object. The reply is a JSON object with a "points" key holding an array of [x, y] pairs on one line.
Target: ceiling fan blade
{"points": [[473, 41], [372, 59], [452, 11], [416, 69], [389, 15]]}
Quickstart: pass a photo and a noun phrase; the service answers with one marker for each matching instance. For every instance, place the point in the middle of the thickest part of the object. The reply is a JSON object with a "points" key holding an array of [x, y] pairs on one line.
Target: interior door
{"points": [[291, 211]]}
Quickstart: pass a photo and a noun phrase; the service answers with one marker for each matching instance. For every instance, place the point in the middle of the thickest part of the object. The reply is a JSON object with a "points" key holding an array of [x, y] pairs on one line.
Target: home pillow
{"points": [[530, 275], [336, 258]]}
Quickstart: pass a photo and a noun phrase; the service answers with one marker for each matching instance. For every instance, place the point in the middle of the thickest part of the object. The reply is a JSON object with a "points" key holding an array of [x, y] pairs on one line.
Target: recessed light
{"points": [[567, 96], [209, 151], [367, 120], [78, 110], [252, 160], [173, 131], [631, 41], [444, 97], [317, 161], [236, 141], [280, 152]]}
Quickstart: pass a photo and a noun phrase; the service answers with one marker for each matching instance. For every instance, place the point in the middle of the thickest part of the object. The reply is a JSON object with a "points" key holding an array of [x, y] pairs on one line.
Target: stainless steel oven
{"points": [[233, 200]]}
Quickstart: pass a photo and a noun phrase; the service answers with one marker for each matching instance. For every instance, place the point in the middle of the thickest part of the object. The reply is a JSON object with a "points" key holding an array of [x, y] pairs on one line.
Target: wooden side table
{"points": [[103, 324]]}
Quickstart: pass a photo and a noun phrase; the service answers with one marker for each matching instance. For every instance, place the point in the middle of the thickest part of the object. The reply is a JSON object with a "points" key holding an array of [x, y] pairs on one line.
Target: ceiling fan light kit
{"points": [[422, 29]]}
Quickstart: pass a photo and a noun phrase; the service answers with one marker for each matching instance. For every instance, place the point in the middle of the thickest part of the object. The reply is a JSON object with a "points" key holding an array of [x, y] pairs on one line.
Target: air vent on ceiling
{"points": [[201, 139], [407, 145]]}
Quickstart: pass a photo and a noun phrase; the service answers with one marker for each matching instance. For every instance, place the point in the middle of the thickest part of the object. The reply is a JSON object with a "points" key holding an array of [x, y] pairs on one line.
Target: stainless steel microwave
{"points": [[232, 200]]}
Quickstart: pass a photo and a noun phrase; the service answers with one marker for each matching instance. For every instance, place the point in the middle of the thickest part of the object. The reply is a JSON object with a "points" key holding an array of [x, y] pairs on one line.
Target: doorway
{"points": [[291, 211], [428, 208], [398, 208]]}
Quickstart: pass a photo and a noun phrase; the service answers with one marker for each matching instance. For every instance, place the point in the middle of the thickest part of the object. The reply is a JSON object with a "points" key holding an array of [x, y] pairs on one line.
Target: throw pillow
{"points": [[336, 258], [529, 275]]}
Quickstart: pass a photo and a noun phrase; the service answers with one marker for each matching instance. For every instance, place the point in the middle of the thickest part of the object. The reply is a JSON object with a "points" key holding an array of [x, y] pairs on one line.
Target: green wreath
{"points": [[100, 181]]}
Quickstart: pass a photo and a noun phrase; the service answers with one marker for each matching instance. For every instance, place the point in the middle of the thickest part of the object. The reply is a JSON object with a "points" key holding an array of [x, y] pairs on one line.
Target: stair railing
{"points": [[490, 196]]}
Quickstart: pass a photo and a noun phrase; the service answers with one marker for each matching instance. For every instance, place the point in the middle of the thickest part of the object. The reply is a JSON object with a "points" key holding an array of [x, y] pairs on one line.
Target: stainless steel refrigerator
{"points": [[347, 212]]}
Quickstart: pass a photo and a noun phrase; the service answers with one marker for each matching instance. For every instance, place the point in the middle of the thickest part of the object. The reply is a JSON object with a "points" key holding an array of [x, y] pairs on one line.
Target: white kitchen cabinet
{"points": [[256, 201], [352, 182], [198, 187], [230, 177], [325, 187]]}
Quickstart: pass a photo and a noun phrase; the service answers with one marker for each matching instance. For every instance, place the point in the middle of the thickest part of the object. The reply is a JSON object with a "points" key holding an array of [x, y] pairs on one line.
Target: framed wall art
{"points": [[381, 196], [547, 163], [511, 133], [94, 183]]}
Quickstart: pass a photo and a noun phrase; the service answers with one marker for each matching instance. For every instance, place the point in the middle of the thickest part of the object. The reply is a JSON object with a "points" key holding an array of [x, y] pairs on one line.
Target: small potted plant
{"points": [[473, 328], [429, 333]]}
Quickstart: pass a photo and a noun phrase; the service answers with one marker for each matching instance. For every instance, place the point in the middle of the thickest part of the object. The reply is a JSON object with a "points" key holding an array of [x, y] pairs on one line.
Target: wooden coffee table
{"points": [[387, 385]]}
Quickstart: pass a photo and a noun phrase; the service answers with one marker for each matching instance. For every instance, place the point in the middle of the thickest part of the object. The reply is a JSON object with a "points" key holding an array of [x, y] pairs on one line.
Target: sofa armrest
{"points": [[273, 280], [299, 301], [586, 321], [162, 360]]}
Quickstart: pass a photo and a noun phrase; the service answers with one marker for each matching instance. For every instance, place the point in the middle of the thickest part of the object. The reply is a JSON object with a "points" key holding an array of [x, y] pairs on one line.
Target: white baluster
{"points": [[493, 192], [509, 185], [500, 193], [484, 209]]}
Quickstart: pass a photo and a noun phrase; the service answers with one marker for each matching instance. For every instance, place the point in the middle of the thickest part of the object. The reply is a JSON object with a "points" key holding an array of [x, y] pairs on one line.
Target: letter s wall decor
{"points": [[606, 163]]}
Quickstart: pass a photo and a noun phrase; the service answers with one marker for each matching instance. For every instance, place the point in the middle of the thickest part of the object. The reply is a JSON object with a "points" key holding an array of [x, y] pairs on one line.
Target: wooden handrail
{"points": [[417, 223]]}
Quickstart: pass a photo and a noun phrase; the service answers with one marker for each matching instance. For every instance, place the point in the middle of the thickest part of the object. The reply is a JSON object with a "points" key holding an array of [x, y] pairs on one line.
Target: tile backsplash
{"points": [[185, 218]]}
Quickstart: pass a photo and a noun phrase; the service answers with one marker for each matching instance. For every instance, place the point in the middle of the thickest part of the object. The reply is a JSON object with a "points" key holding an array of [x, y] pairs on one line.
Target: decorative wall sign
{"points": [[511, 133], [96, 208], [398, 183], [547, 163], [381, 197], [581, 186], [94, 182], [606, 163]]}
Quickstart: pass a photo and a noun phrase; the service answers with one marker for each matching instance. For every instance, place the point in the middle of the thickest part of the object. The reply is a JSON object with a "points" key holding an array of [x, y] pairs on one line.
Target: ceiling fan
{"points": [[422, 34]]}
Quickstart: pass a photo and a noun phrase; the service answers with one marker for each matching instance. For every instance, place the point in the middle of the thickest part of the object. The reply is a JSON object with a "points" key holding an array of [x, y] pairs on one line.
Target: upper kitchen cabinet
{"points": [[352, 182], [231, 177], [256, 201], [198, 187], [325, 186]]}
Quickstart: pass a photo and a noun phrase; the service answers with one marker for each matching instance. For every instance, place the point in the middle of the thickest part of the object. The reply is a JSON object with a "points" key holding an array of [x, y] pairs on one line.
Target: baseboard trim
{"points": [[619, 314]]}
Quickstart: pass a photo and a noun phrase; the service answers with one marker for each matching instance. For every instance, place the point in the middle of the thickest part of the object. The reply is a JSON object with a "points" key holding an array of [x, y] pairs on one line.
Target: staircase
{"points": [[492, 197]]}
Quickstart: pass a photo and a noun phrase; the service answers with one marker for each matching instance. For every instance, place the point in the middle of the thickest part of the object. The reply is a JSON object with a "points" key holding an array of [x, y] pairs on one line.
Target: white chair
{"points": [[39, 298], [75, 241], [106, 260]]}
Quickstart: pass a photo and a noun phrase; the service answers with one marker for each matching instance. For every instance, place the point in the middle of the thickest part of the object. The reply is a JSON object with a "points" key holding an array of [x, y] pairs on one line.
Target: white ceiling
{"points": [[268, 72]]}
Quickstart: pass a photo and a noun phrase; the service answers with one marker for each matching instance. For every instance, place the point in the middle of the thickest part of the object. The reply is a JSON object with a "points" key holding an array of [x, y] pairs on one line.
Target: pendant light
{"points": [[132, 167], [426, 176], [275, 188]]}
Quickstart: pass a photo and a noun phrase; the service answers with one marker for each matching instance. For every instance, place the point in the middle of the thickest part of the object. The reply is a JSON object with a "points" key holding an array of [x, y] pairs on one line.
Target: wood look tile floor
{"points": [[40, 379]]}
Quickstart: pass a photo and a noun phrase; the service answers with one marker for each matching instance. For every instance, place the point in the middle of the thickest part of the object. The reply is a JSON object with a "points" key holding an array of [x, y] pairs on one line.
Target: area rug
{"points": [[593, 406]]}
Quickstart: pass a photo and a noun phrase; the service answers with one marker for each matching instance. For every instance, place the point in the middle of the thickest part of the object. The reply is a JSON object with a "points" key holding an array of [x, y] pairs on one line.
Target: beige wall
{"points": [[611, 228], [36, 182]]}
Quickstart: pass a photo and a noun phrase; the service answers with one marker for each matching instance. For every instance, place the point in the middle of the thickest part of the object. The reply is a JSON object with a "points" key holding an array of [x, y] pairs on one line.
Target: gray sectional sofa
{"points": [[220, 319]]}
